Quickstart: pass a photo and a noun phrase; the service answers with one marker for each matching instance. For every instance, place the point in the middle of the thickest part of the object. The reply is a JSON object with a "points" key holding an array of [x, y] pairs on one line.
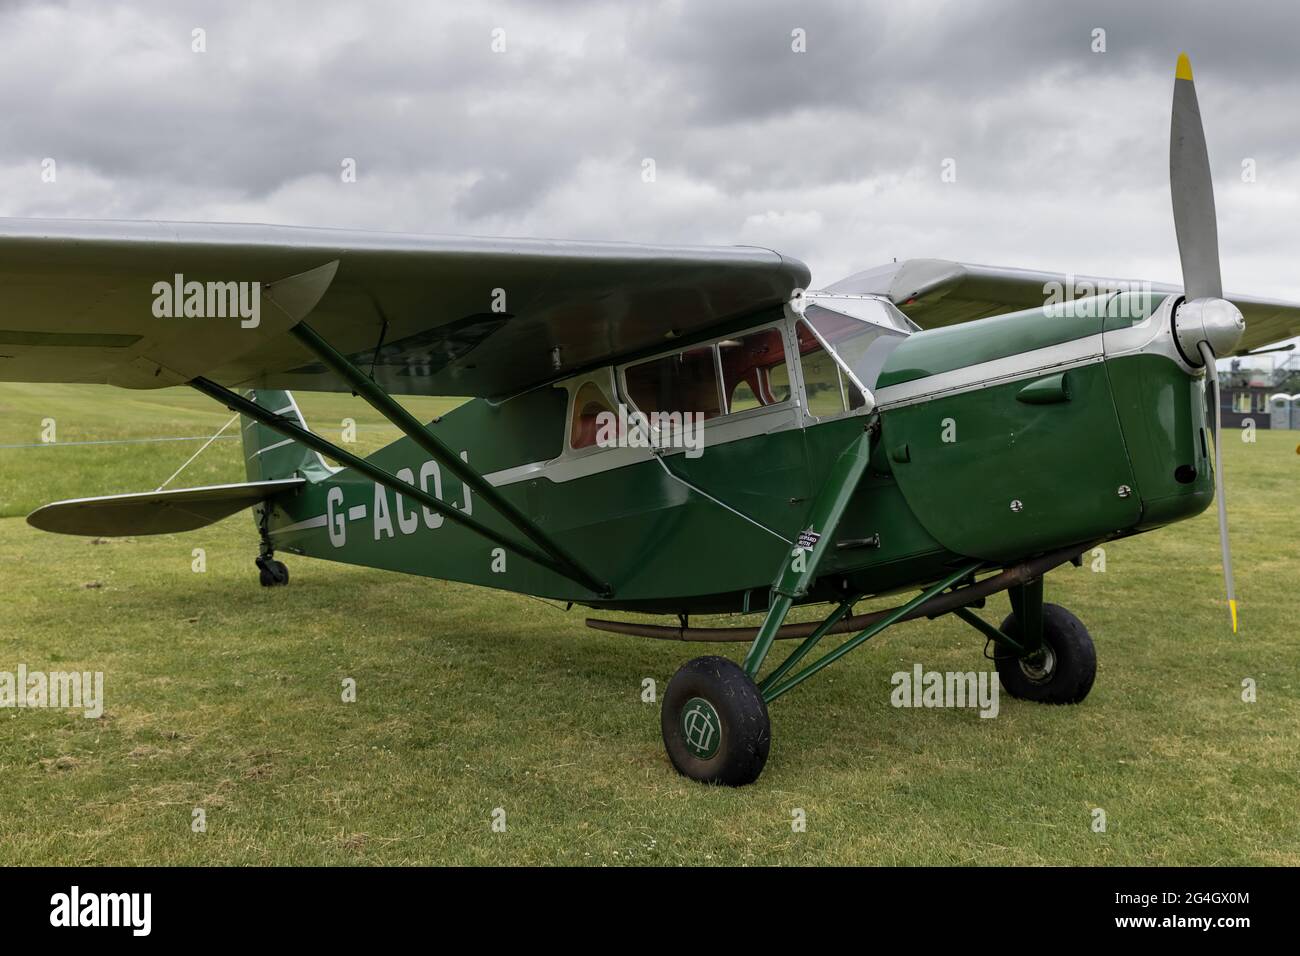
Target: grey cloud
{"points": [[831, 155]]}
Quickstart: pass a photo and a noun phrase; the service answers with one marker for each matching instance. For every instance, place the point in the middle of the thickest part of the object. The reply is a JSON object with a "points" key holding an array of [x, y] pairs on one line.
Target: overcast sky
{"points": [[833, 155]]}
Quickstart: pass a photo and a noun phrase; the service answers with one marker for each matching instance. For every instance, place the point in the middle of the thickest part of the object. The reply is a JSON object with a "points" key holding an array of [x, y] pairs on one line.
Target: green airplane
{"points": [[671, 430]]}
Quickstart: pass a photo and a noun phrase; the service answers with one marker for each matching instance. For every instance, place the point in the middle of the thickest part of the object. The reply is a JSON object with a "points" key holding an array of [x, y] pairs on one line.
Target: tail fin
{"points": [[268, 454]]}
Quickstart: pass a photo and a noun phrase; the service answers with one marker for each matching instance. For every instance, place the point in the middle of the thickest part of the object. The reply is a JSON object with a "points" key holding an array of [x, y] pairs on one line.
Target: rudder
{"points": [[268, 454]]}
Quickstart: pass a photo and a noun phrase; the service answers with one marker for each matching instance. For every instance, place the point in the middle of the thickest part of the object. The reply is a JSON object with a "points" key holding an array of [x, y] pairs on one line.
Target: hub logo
{"points": [[134, 910], [701, 728]]}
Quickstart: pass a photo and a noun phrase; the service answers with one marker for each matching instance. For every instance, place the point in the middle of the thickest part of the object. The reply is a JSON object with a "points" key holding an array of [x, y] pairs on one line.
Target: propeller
{"points": [[1193, 191], [1212, 379], [1205, 324]]}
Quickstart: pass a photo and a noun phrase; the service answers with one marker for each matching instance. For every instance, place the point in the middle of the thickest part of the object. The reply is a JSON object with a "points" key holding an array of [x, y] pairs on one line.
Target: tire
{"points": [[1063, 673], [715, 724], [272, 573]]}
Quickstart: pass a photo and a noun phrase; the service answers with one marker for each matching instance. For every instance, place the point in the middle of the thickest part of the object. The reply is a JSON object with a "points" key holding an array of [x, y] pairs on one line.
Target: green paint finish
{"points": [[524, 429], [266, 456], [662, 546], [758, 476], [647, 534], [878, 529], [1018, 478], [957, 346], [880, 545], [1127, 309], [1162, 411], [665, 547], [1046, 391], [817, 538], [815, 541], [550, 553], [701, 728]]}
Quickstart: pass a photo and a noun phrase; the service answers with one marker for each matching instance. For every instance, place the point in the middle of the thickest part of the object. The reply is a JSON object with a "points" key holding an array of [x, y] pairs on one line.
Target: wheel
{"points": [[1062, 672], [272, 573], [715, 723]]}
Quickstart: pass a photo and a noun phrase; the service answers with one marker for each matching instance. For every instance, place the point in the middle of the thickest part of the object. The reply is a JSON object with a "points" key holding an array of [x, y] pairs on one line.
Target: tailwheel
{"points": [[271, 573], [1059, 672], [715, 723]]}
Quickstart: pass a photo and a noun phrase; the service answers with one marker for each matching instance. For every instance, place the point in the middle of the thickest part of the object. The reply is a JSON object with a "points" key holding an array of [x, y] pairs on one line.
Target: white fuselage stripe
{"points": [[316, 522], [266, 448]]}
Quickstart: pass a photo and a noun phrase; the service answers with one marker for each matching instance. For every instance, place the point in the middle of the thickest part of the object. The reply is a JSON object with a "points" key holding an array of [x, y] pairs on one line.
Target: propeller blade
{"points": [[1193, 192], [1212, 378]]}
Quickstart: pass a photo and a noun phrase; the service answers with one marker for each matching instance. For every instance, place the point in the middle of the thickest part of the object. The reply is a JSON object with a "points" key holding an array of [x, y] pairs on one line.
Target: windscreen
{"points": [[860, 344]]}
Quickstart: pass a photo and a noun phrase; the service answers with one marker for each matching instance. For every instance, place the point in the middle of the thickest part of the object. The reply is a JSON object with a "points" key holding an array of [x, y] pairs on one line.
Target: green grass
{"points": [[225, 696]]}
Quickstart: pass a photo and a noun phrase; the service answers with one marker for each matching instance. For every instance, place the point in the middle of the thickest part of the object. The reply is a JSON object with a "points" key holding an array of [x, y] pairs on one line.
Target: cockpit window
{"points": [[741, 373], [754, 374], [861, 344], [683, 382], [829, 391], [587, 406]]}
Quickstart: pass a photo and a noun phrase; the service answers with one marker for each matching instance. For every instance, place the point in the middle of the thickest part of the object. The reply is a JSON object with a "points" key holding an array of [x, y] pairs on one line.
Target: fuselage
{"points": [[996, 439]]}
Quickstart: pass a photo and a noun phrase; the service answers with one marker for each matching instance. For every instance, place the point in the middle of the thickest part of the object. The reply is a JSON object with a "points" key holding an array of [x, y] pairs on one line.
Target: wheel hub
{"points": [[1039, 667], [701, 728]]}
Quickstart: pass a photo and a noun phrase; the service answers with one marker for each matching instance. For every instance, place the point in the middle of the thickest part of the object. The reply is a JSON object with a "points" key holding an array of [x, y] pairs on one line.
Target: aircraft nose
{"points": [[1216, 322]]}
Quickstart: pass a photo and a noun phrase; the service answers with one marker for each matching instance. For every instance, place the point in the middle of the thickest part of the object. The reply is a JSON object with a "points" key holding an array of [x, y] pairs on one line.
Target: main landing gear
{"points": [[1063, 668], [271, 573], [715, 723], [715, 720]]}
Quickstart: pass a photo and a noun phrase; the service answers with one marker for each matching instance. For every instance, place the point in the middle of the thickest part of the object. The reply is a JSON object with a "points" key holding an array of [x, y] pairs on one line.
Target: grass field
{"points": [[224, 696]]}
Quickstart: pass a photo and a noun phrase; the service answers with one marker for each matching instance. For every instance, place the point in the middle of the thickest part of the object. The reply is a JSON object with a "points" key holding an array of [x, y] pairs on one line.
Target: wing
{"points": [[937, 292], [79, 302]]}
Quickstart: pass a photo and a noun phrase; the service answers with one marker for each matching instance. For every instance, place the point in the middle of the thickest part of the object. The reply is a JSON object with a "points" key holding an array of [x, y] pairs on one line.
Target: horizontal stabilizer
{"points": [[155, 512]]}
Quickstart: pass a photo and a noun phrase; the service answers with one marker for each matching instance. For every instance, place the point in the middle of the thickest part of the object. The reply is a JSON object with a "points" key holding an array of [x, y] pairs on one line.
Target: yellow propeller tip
{"points": [[1184, 69], [1232, 606]]}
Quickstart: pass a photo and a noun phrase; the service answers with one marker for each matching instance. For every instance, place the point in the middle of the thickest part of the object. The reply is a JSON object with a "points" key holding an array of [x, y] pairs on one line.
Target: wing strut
{"points": [[392, 410], [290, 429]]}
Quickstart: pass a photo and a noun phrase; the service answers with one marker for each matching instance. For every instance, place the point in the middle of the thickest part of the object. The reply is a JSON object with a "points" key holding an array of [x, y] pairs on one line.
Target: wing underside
{"points": [[80, 302]]}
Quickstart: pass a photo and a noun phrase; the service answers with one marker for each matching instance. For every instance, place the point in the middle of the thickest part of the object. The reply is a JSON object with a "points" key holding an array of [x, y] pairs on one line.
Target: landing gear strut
{"points": [[271, 573]]}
